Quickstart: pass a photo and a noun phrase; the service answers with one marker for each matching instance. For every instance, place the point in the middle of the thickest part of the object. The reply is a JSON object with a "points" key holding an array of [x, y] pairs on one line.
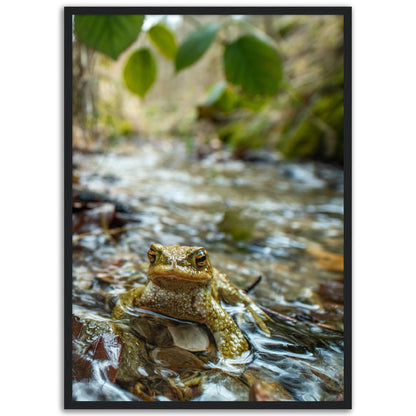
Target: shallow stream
{"points": [[270, 218]]}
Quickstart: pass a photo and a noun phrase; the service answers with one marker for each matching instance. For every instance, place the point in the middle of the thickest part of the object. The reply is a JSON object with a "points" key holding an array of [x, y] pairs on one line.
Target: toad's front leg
{"points": [[127, 301], [230, 294], [228, 337]]}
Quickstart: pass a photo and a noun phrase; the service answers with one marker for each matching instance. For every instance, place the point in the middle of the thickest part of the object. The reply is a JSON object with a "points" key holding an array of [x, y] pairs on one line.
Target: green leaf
{"points": [[254, 103], [254, 65], [108, 34], [140, 72], [222, 98], [215, 92], [195, 45], [164, 40], [228, 101]]}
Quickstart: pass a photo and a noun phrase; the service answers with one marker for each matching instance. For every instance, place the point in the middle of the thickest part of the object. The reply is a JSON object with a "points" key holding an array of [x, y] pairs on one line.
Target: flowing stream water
{"points": [[275, 219]]}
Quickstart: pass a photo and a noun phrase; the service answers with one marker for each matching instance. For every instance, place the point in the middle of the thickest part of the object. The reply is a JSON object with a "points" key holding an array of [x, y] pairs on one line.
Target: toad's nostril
{"points": [[171, 262]]}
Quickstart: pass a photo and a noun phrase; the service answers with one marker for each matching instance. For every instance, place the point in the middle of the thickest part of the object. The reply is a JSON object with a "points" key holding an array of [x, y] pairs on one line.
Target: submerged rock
{"points": [[261, 391], [135, 363], [219, 386], [265, 388], [95, 348]]}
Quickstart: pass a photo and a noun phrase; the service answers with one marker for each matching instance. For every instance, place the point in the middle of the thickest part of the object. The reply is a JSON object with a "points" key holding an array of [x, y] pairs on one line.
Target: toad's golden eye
{"points": [[151, 255], [201, 258]]}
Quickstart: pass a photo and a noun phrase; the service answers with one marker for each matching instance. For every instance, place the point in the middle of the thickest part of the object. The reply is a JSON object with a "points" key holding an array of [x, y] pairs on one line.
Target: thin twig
{"points": [[253, 285]]}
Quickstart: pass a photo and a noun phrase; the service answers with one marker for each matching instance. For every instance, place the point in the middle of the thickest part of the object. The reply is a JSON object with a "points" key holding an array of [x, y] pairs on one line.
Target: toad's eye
{"points": [[201, 258], [151, 255]]}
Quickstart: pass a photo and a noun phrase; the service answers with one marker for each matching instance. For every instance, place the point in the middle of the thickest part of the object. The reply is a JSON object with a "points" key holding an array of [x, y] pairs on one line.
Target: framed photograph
{"points": [[207, 207]]}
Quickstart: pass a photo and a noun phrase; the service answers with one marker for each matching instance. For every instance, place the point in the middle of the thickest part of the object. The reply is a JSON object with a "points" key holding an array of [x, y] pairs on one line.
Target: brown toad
{"points": [[183, 284]]}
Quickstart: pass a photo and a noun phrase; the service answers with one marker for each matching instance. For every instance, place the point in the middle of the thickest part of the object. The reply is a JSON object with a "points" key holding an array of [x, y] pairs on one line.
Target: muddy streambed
{"points": [[278, 220]]}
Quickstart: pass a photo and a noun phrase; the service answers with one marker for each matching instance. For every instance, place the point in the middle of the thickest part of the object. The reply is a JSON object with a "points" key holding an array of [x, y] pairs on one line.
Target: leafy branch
{"points": [[250, 62]]}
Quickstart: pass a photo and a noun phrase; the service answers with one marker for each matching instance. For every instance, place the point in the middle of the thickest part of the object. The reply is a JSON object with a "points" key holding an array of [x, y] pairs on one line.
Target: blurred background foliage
{"points": [[274, 83]]}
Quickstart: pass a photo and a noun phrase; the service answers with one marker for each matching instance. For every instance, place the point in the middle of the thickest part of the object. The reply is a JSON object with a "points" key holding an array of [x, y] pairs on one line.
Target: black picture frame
{"points": [[344, 11]]}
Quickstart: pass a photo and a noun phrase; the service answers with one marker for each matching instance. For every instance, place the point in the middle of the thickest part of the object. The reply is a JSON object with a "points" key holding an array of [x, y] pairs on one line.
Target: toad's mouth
{"points": [[174, 275]]}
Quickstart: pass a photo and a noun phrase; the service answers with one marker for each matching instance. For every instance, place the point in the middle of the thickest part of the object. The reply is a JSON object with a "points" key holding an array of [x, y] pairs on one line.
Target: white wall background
{"points": [[31, 207]]}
